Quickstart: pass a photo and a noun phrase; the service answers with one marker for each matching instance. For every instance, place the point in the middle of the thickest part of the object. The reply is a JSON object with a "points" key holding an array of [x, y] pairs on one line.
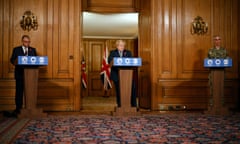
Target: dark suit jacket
{"points": [[114, 69], [18, 51]]}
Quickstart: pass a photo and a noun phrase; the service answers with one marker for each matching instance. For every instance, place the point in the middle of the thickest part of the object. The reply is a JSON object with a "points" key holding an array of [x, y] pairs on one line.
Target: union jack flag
{"points": [[84, 74], [105, 71]]}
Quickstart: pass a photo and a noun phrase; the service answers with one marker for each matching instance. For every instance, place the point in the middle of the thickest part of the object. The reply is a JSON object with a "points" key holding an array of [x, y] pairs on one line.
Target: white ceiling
{"points": [[124, 25]]}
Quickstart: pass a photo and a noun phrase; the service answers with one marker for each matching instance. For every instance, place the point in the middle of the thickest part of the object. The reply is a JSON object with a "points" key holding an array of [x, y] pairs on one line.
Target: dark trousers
{"points": [[133, 96], [19, 94], [117, 89]]}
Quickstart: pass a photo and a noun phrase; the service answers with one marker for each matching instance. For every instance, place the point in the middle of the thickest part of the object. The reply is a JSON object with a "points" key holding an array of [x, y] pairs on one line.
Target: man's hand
{"points": [[111, 63], [16, 61]]}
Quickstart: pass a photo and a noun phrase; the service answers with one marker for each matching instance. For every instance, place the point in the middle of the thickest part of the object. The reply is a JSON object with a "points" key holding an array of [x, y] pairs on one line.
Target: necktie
{"points": [[26, 51], [120, 53]]}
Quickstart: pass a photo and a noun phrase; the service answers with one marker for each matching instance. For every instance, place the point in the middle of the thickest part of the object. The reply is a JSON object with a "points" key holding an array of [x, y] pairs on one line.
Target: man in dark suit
{"points": [[23, 50], [120, 52]]}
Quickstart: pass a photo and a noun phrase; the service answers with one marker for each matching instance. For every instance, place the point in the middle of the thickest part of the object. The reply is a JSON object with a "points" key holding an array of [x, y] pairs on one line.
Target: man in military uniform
{"points": [[217, 51]]}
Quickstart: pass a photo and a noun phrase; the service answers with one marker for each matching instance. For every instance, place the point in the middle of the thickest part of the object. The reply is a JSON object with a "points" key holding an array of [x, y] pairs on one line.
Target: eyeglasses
{"points": [[26, 41]]}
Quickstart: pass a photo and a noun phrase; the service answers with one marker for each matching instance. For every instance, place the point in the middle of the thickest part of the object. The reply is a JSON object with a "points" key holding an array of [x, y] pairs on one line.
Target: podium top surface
{"points": [[217, 63], [127, 61], [33, 60]]}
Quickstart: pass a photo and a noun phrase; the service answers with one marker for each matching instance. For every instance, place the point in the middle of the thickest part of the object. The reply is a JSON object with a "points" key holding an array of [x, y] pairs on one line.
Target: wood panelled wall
{"points": [[172, 71], [58, 36], [145, 85], [111, 6], [177, 66]]}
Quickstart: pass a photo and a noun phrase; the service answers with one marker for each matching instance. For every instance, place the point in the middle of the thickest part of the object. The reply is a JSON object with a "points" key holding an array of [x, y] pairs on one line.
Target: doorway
{"points": [[92, 49], [98, 38]]}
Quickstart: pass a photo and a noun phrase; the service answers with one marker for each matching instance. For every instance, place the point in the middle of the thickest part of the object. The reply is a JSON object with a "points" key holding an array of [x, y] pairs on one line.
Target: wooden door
{"points": [[94, 54]]}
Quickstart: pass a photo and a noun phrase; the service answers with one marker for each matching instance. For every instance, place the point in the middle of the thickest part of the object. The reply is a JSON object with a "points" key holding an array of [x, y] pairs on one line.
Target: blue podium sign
{"points": [[32, 60], [218, 62], [125, 61]]}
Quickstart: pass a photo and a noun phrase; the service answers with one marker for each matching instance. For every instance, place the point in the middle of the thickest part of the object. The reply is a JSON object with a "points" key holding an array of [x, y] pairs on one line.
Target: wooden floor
{"points": [[142, 111], [98, 103]]}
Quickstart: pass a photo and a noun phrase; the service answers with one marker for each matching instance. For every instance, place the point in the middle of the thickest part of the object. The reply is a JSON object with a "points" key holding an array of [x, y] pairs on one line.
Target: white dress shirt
{"points": [[25, 50]]}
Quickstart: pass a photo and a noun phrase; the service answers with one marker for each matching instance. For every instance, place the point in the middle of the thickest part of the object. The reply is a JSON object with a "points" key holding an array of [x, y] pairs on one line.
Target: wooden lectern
{"points": [[217, 76], [125, 82], [31, 64]]}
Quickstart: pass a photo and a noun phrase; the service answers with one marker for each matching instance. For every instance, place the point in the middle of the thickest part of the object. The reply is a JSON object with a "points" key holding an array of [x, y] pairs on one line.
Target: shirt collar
{"points": [[24, 47]]}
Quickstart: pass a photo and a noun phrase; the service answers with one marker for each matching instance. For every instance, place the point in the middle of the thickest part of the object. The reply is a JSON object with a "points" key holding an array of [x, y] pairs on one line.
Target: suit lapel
{"points": [[29, 51], [117, 53], [124, 53], [21, 50]]}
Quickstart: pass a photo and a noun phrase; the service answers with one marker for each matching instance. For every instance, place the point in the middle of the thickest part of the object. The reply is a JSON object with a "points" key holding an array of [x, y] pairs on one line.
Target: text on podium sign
{"points": [[32, 60], [217, 62], [124, 61]]}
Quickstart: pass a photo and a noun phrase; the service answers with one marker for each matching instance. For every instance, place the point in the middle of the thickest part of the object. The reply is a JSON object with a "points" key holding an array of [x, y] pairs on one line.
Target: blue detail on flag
{"points": [[32, 60], [125, 61], [218, 62]]}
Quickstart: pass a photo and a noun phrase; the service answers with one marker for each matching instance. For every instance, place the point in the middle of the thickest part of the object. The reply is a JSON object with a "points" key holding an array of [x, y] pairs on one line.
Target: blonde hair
{"points": [[120, 41]]}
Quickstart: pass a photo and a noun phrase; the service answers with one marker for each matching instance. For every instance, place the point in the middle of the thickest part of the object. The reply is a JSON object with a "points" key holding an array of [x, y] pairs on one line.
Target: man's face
{"points": [[121, 46], [217, 41], [26, 42]]}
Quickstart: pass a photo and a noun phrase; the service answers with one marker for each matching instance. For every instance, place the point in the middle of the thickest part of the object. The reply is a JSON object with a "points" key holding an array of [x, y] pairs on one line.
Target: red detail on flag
{"points": [[105, 71], [84, 74]]}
